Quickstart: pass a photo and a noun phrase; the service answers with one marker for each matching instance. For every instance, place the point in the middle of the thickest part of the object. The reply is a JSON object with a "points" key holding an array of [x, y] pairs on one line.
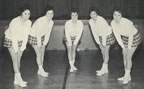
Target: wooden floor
{"points": [[85, 77]]}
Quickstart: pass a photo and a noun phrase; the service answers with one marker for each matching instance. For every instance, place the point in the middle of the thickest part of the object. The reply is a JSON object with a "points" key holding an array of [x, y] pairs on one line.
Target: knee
{"points": [[38, 55], [74, 47], [129, 57], [68, 44], [123, 52]]}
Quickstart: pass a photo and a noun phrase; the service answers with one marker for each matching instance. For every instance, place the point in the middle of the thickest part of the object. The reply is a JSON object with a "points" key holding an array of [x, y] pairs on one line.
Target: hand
{"points": [[42, 46], [98, 42], [129, 47], [122, 46], [104, 44], [39, 48], [75, 43], [15, 49], [101, 46], [44, 43], [39, 45], [22, 48]]}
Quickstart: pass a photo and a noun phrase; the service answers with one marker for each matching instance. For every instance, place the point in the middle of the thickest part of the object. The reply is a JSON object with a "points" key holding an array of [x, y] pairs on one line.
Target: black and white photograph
{"points": [[71, 44]]}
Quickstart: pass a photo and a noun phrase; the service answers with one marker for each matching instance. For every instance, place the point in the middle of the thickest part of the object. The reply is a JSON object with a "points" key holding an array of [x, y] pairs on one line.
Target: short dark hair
{"points": [[74, 10], [118, 10], [23, 8], [94, 9], [47, 8]]}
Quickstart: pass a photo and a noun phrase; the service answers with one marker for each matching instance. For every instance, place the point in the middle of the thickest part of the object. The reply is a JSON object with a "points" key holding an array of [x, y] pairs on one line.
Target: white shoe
{"points": [[101, 72], [43, 74], [41, 70], [97, 71], [121, 78], [74, 68], [21, 84], [18, 80], [71, 70], [126, 79], [46, 72], [104, 70], [15, 81]]}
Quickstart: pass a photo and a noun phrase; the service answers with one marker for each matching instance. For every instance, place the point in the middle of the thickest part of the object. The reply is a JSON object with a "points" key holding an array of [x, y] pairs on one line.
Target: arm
{"points": [[104, 40], [67, 35], [94, 33], [106, 29], [79, 35], [47, 36], [119, 40], [12, 28], [130, 40], [36, 27], [25, 39], [117, 35]]}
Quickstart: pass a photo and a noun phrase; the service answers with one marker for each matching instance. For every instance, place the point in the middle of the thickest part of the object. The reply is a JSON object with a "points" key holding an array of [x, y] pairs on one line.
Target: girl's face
{"points": [[26, 14], [93, 15], [117, 16], [74, 16], [50, 14]]}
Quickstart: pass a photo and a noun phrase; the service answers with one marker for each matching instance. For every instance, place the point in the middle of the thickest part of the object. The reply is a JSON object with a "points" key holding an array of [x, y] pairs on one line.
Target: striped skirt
{"points": [[72, 39], [33, 40], [137, 39], [8, 43], [110, 40]]}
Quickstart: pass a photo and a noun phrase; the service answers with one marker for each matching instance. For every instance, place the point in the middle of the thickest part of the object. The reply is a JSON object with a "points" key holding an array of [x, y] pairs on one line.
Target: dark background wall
{"points": [[133, 8]]}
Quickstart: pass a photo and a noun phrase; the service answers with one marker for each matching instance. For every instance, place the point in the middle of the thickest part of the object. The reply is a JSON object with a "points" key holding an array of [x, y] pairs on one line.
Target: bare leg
{"points": [[39, 61], [102, 51], [14, 60], [69, 50], [105, 53], [74, 55], [38, 55], [42, 52], [129, 58], [127, 76], [18, 79], [19, 58], [42, 56], [124, 52]]}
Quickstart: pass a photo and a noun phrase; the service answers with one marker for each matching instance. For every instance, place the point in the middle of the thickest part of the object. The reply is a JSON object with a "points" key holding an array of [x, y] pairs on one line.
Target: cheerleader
{"points": [[103, 36], [39, 37], [16, 37], [73, 32], [128, 38]]}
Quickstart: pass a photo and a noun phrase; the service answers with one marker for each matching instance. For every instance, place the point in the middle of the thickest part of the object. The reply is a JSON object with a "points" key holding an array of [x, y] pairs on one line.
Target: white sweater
{"points": [[42, 27], [74, 30], [100, 28], [17, 31], [126, 28]]}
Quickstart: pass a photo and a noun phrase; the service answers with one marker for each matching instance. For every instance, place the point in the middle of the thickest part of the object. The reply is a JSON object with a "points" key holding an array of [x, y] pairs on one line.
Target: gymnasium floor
{"points": [[87, 62]]}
